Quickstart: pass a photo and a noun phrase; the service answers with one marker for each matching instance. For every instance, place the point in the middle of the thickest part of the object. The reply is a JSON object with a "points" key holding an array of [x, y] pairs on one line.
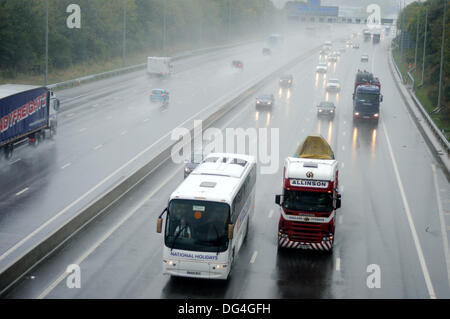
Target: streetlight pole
{"points": [[424, 46], [164, 25], [417, 41], [46, 43], [401, 30], [442, 58], [124, 42]]}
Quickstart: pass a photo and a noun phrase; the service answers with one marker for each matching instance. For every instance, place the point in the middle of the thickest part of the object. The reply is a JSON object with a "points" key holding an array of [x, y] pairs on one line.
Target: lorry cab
{"points": [[366, 102], [310, 197]]}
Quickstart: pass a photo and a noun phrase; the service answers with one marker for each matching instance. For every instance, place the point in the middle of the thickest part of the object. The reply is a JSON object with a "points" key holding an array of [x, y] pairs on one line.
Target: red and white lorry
{"points": [[310, 197]]}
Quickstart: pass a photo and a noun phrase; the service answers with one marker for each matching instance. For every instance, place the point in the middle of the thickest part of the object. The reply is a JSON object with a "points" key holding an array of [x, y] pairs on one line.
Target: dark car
{"points": [[237, 64], [324, 52], [159, 95], [189, 166], [326, 109], [266, 51], [286, 80], [265, 100]]}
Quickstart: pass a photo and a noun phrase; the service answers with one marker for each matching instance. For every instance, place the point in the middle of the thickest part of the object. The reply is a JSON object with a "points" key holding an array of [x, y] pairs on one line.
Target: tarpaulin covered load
{"points": [[315, 146]]}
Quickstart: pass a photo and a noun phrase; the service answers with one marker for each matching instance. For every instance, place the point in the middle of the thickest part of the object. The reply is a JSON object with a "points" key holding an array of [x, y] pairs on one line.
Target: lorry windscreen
{"points": [[308, 201], [203, 225], [367, 97]]}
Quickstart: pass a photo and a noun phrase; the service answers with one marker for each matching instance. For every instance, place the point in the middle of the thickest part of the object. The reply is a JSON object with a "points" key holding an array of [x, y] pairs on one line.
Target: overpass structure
{"points": [[312, 11]]}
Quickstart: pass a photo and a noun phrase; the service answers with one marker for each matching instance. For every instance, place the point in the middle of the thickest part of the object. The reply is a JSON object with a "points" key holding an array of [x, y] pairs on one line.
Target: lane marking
{"points": [[423, 264], [14, 162], [66, 165], [443, 223], [252, 260], [124, 132], [83, 130], [107, 235], [338, 264], [270, 213], [79, 199], [340, 219], [22, 191], [113, 229], [146, 120], [98, 147]]}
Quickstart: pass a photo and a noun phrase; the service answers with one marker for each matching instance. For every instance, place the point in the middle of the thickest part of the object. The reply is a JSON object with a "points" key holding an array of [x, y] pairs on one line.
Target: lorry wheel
{"points": [[8, 150]]}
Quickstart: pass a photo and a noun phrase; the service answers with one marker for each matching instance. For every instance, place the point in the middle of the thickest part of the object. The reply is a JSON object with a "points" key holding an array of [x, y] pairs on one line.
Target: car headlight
{"points": [[187, 170], [356, 113], [257, 102], [331, 111], [320, 111], [376, 115]]}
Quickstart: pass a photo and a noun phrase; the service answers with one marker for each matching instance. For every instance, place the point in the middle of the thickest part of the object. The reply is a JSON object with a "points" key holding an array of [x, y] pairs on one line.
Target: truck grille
{"points": [[306, 232]]}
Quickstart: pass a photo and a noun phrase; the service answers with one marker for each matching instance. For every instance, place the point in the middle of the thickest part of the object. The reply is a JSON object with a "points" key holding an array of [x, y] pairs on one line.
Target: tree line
{"points": [[23, 27], [408, 19]]}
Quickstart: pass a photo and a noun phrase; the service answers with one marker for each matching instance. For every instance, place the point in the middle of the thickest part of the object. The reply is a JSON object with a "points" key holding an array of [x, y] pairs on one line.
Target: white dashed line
{"points": [[82, 130], [124, 132], [146, 120], [22, 191], [338, 264], [340, 220], [66, 165], [252, 260], [14, 162], [270, 213], [98, 147]]}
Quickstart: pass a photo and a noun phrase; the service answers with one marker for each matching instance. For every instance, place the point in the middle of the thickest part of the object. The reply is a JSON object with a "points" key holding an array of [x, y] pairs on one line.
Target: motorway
{"points": [[395, 198], [108, 129]]}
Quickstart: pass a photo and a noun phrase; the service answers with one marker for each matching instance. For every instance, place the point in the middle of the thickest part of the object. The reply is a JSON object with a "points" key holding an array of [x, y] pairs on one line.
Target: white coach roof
{"points": [[216, 178]]}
